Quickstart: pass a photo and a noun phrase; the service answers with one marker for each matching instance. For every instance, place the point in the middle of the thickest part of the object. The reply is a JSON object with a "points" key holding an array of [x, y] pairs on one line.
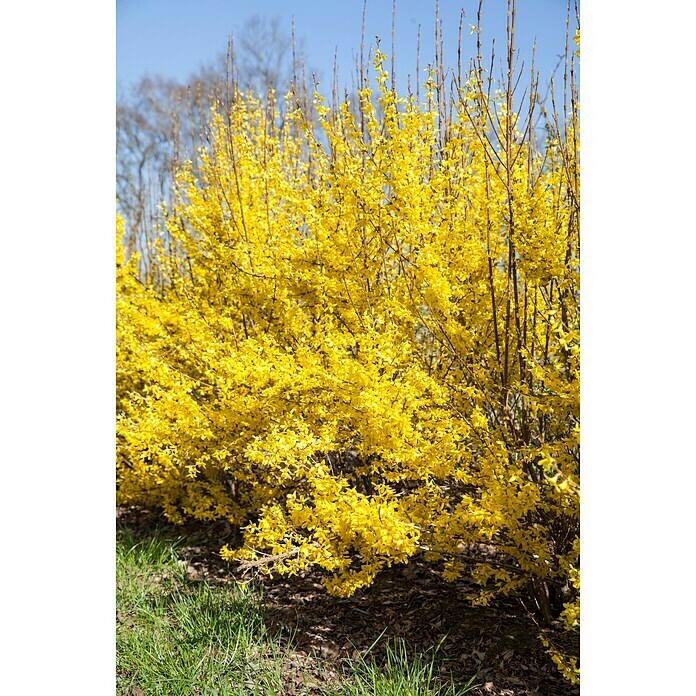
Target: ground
{"points": [[412, 607]]}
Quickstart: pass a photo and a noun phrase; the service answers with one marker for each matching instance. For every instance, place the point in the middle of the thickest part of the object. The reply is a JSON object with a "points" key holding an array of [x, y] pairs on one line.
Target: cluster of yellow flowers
{"points": [[363, 344]]}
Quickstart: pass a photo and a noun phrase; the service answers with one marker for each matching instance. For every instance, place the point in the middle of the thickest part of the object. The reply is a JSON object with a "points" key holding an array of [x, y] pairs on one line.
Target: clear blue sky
{"points": [[173, 38]]}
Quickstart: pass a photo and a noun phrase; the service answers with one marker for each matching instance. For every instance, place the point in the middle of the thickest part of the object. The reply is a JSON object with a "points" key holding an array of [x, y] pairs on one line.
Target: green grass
{"points": [[400, 675], [178, 637]]}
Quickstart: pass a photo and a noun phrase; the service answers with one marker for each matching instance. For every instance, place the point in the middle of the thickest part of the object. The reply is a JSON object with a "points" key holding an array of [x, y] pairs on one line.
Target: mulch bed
{"points": [[411, 603]]}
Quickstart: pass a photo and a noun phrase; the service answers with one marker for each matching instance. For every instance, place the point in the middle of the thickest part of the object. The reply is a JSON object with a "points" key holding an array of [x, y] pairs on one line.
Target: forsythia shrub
{"points": [[364, 344]]}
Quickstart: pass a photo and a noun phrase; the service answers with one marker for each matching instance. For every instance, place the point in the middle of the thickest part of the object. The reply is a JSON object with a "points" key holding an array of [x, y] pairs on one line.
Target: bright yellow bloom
{"points": [[364, 345]]}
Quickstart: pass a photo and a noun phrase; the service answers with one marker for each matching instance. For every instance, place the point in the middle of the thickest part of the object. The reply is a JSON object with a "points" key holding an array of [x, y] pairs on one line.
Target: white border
{"points": [[638, 245], [57, 289]]}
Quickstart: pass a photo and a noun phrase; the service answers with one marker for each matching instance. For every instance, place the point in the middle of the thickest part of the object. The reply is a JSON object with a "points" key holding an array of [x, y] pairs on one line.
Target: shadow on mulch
{"points": [[410, 603]]}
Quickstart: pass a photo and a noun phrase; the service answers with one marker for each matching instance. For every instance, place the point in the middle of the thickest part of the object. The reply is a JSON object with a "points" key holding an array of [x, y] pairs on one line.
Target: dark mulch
{"points": [[412, 603]]}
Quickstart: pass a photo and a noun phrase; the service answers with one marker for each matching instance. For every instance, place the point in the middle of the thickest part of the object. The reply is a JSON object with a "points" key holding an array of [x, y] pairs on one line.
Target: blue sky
{"points": [[173, 38]]}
